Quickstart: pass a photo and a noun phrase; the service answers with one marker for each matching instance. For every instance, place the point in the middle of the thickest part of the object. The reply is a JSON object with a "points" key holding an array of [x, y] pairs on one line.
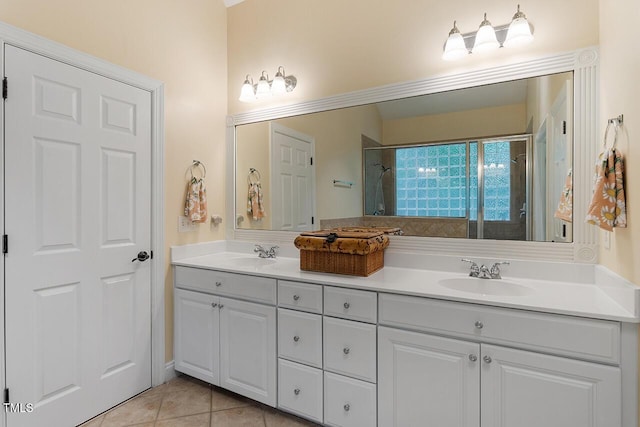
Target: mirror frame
{"points": [[583, 62]]}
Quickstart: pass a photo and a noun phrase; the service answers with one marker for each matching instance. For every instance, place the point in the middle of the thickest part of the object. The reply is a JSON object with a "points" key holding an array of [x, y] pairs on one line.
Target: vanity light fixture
{"points": [[488, 37], [265, 88]]}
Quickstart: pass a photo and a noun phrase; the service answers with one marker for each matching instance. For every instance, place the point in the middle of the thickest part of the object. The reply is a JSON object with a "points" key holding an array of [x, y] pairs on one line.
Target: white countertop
{"points": [[605, 296]]}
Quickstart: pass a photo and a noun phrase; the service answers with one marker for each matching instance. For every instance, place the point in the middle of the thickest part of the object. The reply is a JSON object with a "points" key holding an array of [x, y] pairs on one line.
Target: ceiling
{"points": [[507, 93]]}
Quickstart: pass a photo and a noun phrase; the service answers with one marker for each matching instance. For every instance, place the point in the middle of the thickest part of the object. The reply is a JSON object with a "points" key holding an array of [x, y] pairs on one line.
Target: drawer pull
{"points": [[296, 297], [296, 391], [214, 305], [347, 305], [218, 283], [347, 407], [479, 325], [486, 359], [221, 305], [296, 338], [473, 357], [346, 350]]}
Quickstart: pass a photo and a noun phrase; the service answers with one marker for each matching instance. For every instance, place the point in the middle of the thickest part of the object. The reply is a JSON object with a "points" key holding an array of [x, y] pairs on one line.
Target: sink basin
{"points": [[474, 285], [250, 262]]}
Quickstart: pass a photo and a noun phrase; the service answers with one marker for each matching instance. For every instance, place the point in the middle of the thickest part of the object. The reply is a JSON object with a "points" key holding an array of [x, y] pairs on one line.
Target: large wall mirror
{"points": [[481, 156]]}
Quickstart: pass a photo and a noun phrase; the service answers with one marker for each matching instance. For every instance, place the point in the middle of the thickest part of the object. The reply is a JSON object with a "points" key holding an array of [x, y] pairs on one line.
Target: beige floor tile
{"points": [[249, 416], [94, 422], [185, 399], [274, 418], [222, 399], [142, 409], [200, 420]]}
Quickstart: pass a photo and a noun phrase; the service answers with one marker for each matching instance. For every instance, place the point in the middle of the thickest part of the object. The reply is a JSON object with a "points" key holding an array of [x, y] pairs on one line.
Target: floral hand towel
{"points": [[255, 205], [195, 207], [565, 206], [608, 208]]}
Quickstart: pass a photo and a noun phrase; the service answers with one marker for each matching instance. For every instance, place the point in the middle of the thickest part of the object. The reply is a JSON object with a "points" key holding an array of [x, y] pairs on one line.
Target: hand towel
{"points": [[255, 205], [608, 208], [195, 207], [565, 206]]}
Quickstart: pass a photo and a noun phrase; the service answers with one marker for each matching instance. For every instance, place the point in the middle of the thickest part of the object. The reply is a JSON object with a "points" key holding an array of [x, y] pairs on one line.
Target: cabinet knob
{"points": [[347, 305], [346, 350], [479, 325], [296, 297], [221, 305], [296, 338], [347, 407], [218, 283], [486, 359], [296, 391], [214, 305], [473, 357]]}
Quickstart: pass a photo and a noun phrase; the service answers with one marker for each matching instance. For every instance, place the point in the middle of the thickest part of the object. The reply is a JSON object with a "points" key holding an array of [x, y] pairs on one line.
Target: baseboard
{"points": [[169, 371]]}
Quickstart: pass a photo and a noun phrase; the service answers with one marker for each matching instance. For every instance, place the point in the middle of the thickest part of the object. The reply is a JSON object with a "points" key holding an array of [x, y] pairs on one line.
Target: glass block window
{"points": [[431, 180], [497, 181]]}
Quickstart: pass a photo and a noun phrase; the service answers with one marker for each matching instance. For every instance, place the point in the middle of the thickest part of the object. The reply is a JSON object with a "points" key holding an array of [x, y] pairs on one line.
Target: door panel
{"points": [[77, 197]]}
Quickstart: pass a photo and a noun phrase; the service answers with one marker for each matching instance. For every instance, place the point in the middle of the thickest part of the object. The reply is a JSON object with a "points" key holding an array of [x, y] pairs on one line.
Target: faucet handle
{"points": [[258, 248], [475, 270], [495, 269]]}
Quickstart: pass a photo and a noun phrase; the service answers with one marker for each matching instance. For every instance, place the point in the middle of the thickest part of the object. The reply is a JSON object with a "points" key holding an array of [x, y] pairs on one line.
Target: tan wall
{"points": [[185, 47], [506, 120], [252, 151], [337, 46], [619, 94]]}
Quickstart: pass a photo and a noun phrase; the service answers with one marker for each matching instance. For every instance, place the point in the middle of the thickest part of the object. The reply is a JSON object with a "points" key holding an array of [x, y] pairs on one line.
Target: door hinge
{"points": [[6, 395], [311, 160], [4, 88], [564, 127], [5, 244]]}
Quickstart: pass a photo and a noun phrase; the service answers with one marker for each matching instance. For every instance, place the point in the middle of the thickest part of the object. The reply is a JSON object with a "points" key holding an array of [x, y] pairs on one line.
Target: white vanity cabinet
{"points": [[226, 341], [484, 373]]}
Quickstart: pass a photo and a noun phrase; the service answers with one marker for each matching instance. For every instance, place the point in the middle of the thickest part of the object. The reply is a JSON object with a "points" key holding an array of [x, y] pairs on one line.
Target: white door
{"points": [[248, 349], [525, 389], [77, 189], [292, 179], [427, 380], [559, 161], [196, 347]]}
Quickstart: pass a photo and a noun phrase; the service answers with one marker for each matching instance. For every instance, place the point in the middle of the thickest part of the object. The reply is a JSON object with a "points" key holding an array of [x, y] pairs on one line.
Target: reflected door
{"points": [[77, 162]]}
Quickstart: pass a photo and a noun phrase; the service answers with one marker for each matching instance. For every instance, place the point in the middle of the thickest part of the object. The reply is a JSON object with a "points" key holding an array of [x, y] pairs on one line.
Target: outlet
{"points": [[185, 225]]}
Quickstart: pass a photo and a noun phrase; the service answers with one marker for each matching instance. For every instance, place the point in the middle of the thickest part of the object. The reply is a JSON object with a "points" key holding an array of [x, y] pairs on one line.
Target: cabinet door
{"points": [[526, 389], [248, 349], [196, 335], [427, 380]]}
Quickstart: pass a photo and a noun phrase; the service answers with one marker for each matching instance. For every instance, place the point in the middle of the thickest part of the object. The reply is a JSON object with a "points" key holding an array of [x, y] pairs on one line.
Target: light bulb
{"points": [[519, 30], [485, 37], [263, 90], [455, 47], [246, 93], [278, 85]]}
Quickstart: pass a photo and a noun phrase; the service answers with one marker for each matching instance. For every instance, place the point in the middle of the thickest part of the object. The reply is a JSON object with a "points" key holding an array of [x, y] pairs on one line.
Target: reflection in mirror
{"points": [[486, 162]]}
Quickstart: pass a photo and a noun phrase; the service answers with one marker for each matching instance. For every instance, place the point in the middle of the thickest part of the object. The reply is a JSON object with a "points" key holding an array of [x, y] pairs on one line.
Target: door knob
{"points": [[142, 256]]}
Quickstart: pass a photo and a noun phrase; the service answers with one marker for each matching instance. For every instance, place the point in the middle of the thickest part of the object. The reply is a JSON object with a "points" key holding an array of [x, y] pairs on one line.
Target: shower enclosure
{"points": [[485, 183]]}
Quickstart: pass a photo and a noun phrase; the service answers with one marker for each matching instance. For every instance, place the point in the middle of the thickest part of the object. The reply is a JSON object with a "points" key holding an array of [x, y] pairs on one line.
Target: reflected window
{"points": [[431, 181]]}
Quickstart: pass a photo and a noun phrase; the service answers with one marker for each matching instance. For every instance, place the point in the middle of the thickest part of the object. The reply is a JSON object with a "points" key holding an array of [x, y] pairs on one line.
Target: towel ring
{"points": [[615, 135], [255, 174], [197, 164]]}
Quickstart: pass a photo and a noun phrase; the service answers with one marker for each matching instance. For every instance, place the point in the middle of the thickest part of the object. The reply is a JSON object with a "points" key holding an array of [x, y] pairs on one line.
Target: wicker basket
{"points": [[354, 253]]}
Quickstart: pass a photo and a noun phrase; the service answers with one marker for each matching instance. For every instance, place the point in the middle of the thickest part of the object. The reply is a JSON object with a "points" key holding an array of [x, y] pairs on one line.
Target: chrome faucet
{"points": [[484, 272], [266, 253]]}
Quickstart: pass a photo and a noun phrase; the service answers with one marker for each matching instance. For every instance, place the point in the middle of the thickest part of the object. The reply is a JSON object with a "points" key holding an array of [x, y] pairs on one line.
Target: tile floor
{"points": [[187, 402]]}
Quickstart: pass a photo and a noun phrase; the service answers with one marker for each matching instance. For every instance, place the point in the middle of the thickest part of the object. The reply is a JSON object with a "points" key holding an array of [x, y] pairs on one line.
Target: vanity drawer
{"points": [[300, 390], [350, 348], [590, 339], [348, 402], [300, 337], [350, 304], [300, 296], [252, 288]]}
